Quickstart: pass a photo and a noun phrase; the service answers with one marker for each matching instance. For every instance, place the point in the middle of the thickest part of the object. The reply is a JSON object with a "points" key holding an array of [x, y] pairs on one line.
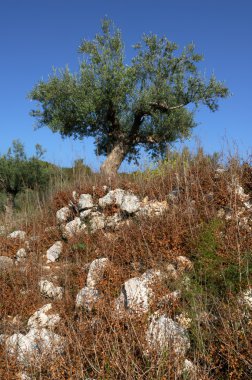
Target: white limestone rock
{"points": [[85, 213], [54, 252], [96, 271], [35, 345], [246, 298], [85, 202], [152, 208], [113, 220], [44, 318], [87, 298], [74, 228], [17, 235], [48, 289], [6, 263], [130, 203], [137, 293], [96, 221], [112, 197], [164, 334], [63, 215]]}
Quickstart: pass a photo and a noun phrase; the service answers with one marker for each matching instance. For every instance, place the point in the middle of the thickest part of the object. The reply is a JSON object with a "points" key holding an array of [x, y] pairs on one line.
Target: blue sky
{"points": [[38, 34]]}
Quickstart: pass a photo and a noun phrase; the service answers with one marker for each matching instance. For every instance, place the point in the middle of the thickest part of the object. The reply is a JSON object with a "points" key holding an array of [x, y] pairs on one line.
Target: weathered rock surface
{"points": [[35, 345], [17, 235], [21, 254], [85, 202], [137, 293], [44, 318], [74, 227], [96, 271], [48, 289], [165, 334], [63, 215], [87, 298], [152, 208], [112, 197], [54, 252], [96, 221]]}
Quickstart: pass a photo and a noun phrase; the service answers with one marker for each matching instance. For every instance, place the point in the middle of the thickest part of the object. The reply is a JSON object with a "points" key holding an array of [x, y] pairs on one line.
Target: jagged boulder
{"points": [[96, 221], [164, 334], [152, 208], [87, 298], [44, 318], [54, 252], [96, 271], [85, 202], [112, 197], [35, 345], [63, 215], [74, 227], [137, 293]]}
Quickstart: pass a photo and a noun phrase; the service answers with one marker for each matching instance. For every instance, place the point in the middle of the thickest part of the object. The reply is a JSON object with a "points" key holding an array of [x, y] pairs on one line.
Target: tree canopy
{"points": [[127, 106]]}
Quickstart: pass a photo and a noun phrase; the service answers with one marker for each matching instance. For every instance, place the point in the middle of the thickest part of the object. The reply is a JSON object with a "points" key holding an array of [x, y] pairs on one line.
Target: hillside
{"points": [[145, 276]]}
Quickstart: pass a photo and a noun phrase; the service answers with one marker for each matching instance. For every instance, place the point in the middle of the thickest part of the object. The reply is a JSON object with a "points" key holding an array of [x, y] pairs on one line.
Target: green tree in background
{"points": [[125, 106]]}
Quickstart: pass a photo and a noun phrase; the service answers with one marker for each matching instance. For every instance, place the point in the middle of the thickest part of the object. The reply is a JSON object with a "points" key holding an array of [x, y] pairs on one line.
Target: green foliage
{"points": [[215, 273], [141, 104], [18, 173]]}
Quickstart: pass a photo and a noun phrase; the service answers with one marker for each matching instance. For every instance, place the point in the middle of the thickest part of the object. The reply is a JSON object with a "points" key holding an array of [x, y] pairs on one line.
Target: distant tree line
{"points": [[20, 175]]}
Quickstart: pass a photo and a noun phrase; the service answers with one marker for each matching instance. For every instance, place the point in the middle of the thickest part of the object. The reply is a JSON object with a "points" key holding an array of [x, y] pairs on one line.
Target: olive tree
{"points": [[148, 103]]}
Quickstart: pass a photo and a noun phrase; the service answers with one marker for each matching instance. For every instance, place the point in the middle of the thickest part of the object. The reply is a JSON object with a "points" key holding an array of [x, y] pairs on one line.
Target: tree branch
{"points": [[164, 106]]}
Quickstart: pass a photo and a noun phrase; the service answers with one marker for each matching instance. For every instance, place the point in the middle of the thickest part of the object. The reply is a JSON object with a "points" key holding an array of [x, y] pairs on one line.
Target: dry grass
{"points": [[101, 346]]}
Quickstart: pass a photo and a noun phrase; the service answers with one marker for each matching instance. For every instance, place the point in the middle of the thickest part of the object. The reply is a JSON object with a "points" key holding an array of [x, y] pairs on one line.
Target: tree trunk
{"points": [[114, 160]]}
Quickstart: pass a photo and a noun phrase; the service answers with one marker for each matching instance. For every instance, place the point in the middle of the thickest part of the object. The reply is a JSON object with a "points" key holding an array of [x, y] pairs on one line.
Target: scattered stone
{"points": [[17, 235], [6, 263], [74, 227], [41, 318], [54, 252], [130, 203], [35, 345], [97, 221], [96, 271], [63, 215], [137, 293], [85, 213], [85, 202], [152, 208], [21, 255], [112, 197], [165, 334], [239, 191], [113, 220], [246, 298], [87, 298], [48, 289]]}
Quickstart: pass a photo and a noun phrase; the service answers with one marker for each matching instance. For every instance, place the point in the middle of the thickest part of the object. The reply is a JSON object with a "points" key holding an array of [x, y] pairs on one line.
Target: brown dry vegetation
{"points": [[100, 346]]}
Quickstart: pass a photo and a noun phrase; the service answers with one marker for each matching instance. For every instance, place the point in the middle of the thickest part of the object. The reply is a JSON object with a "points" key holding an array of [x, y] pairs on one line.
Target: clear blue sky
{"points": [[38, 34]]}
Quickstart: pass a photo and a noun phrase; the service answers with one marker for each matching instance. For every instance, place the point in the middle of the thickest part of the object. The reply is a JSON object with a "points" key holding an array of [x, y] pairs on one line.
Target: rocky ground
{"points": [[110, 284]]}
